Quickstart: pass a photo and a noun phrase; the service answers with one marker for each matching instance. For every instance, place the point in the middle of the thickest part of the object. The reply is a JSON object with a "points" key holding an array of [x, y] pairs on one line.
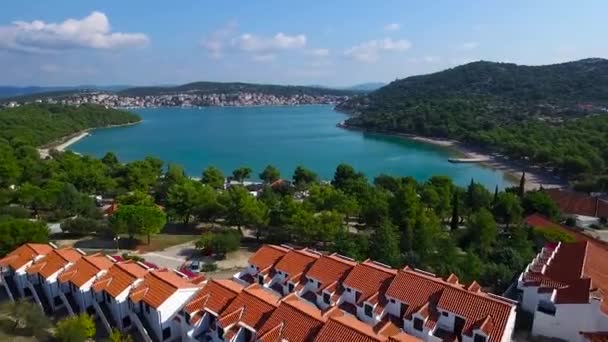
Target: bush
{"points": [[83, 225], [128, 256], [117, 336], [209, 268], [553, 235], [15, 212], [75, 329]]}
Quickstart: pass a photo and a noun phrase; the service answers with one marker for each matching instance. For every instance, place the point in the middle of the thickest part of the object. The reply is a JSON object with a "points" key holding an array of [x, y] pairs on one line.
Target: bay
{"points": [[230, 137]]}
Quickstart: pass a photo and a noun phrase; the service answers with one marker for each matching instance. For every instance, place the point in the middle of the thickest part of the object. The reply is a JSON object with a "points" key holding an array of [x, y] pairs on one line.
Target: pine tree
{"points": [[495, 195], [384, 244], [455, 214]]}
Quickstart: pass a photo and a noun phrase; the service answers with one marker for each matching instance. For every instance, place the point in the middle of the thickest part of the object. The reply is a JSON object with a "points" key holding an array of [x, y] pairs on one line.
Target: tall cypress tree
{"points": [[522, 184], [455, 214], [495, 195]]}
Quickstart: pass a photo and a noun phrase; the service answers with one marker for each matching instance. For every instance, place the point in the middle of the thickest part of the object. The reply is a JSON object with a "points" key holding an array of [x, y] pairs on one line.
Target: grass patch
{"points": [[162, 241]]}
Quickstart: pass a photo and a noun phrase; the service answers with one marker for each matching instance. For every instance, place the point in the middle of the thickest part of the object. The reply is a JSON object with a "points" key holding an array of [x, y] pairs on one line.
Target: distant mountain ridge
{"points": [[11, 91]]}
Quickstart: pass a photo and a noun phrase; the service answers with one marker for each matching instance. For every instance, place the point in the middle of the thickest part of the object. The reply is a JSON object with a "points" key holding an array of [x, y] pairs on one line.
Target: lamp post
{"points": [[117, 246]]}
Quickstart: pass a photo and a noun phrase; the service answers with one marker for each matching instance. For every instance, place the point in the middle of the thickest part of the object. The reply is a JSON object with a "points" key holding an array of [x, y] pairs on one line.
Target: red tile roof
{"points": [[299, 321], [415, 289], [369, 278], [570, 202], [257, 305], [24, 254], [296, 262], [85, 269], [54, 261], [158, 286], [330, 268], [215, 296], [539, 221], [119, 277], [268, 255], [596, 336], [347, 328]]}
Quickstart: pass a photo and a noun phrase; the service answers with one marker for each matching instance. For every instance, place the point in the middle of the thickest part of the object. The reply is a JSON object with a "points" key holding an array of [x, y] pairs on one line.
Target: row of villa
{"points": [[288, 294]]}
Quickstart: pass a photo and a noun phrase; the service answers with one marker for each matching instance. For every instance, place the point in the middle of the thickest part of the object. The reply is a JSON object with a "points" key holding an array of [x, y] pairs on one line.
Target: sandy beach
{"points": [[535, 176]]}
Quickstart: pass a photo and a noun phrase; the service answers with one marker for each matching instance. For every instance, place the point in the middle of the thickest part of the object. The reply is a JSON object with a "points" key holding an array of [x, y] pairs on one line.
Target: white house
{"points": [[78, 279], [364, 288], [261, 264], [563, 286], [158, 299], [205, 307], [288, 272], [323, 279], [13, 266], [111, 291]]}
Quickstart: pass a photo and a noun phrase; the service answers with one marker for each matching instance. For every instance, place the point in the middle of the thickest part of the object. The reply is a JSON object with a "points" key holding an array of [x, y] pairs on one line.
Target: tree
{"points": [[384, 245], [31, 196], [326, 197], [455, 221], [242, 208], [345, 175], [117, 336], [133, 219], [387, 182], [213, 177], [270, 174], [26, 315], [508, 208], [241, 173], [522, 185], [540, 202], [184, 199], [9, 167], [477, 197], [209, 208], [351, 245], [82, 226], [110, 160], [136, 197], [404, 206], [75, 329], [482, 229], [303, 177], [219, 243], [425, 233], [15, 232], [374, 206]]}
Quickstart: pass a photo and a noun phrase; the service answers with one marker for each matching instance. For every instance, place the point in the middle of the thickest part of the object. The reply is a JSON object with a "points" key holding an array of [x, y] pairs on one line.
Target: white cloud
{"points": [[468, 46], [392, 27], [216, 43], [370, 51], [251, 43], [319, 52], [93, 32]]}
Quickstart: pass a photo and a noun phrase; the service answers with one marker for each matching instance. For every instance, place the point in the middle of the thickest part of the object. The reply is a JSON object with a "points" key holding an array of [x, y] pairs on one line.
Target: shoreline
{"points": [[535, 177], [63, 143]]}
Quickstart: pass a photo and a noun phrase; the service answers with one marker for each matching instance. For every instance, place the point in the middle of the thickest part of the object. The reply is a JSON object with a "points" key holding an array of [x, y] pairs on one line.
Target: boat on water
{"points": [[466, 160]]}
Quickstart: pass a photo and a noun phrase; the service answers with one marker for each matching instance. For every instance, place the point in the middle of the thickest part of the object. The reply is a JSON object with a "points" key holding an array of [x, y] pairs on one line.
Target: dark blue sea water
{"points": [[229, 137]]}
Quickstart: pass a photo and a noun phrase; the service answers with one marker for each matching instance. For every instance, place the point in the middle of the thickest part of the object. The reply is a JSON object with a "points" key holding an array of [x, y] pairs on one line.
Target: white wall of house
{"points": [[162, 317], [373, 319], [425, 334], [569, 320], [348, 295], [192, 331], [507, 336]]}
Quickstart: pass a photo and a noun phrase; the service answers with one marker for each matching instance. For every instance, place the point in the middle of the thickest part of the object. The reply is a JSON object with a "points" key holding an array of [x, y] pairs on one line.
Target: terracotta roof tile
{"points": [[119, 277], [274, 334], [85, 269], [415, 289], [369, 278], [258, 305], [330, 268], [300, 321], [267, 255], [348, 328], [54, 261], [595, 336], [570, 202], [158, 286], [296, 262], [24, 254], [215, 296]]}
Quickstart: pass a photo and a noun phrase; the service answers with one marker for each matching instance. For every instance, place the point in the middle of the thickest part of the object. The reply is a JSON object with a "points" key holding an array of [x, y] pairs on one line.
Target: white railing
{"points": [[102, 316], [8, 290], [66, 303], [140, 326]]}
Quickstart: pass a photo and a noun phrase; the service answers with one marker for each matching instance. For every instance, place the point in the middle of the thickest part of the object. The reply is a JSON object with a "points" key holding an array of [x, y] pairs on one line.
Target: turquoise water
{"points": [[230, 137]]}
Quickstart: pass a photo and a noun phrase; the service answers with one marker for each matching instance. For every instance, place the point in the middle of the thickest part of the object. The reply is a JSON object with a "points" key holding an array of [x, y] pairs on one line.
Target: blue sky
{"points": [[338, 42]]}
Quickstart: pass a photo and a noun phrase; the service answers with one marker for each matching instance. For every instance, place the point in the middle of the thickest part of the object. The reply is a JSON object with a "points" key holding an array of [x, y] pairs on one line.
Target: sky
{"points": [[320, 42]]}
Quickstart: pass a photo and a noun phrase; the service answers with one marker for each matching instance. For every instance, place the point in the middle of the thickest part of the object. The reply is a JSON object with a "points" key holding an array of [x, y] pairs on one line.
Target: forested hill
{"points": [[38, 124], [234, 87], [554, 115]]}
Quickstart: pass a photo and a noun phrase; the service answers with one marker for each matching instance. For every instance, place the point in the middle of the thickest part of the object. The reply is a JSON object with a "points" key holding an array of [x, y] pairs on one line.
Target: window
{"points": [[126, 321], [261, 280], [148, 309], [319, 285], [348, 289], [166, 333], [444, 313], [418, 324], [326, 297], [220, 333], [291, 287], [187, 317], [479, 338], [392, 301], [368, 310], [105, 294]]}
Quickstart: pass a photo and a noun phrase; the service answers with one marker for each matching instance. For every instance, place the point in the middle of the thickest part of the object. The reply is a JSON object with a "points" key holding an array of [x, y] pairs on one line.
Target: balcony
{"points": [[547, 308]]}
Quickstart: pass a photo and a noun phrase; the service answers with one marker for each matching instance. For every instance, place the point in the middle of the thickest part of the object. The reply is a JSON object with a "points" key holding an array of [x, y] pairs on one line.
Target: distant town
{"points": [[182, 100]]}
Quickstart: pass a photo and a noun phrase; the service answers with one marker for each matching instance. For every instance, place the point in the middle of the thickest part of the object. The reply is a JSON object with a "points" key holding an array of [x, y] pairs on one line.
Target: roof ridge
{"points": [[356, 327], [288, 300]]}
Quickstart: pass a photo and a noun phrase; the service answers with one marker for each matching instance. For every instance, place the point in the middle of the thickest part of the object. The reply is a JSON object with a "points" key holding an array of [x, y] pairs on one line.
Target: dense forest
{"points": [[434, 225], [40, 124], [234, 87], [553, 115]]}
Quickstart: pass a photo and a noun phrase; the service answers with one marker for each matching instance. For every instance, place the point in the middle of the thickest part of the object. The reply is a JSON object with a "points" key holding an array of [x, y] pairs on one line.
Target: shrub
{"points": [[209, 267], [219, 243], [75, 329], [128, 256]]}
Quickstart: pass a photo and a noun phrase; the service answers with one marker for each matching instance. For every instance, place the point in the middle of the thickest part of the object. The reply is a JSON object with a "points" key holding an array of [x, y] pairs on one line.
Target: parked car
{"points": [[195, 266]]}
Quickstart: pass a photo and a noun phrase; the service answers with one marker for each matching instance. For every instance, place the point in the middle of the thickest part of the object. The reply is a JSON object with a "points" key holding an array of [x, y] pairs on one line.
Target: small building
{"points": [[564, 288], [158, 299], [261, 264], [324, 278], [586, 210], [13, 267], [289, 271]]}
